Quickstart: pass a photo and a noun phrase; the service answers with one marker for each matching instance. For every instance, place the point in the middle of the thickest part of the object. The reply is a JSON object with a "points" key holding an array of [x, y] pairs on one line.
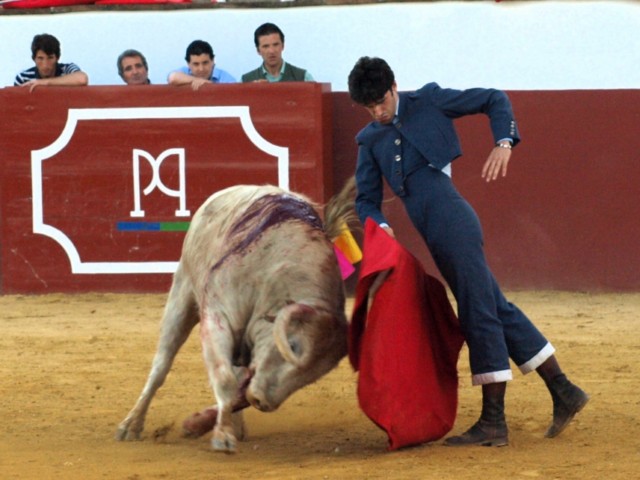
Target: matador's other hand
{"points": [[496, 164], [389, 231]]}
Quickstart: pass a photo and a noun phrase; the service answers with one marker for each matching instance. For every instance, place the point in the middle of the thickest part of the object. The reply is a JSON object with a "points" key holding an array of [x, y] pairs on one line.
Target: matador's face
{"points": [[384, 109]]}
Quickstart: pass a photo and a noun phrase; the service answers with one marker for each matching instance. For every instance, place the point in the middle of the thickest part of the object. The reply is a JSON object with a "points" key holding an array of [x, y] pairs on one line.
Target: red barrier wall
{"points": [[565, 217], [109, 177]]}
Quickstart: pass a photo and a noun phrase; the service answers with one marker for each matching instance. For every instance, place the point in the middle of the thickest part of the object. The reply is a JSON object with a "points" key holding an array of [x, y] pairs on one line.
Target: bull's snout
{"points": [[258, 401]]}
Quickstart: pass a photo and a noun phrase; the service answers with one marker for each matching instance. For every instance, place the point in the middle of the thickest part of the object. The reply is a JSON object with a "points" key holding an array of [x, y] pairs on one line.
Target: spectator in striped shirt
{"points": [[45, 52]]}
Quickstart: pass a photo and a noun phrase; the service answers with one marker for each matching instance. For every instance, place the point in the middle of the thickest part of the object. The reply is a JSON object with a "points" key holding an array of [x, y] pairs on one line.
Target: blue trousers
{"points": [[495, 330]]}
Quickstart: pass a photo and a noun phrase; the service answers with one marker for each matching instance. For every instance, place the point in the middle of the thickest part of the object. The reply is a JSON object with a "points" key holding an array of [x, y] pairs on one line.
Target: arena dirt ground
{"points": [[71, 366]]}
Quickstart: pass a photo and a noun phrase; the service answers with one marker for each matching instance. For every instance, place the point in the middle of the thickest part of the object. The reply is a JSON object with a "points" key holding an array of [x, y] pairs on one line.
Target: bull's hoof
{"points": [[125, 433], [224, 442]]}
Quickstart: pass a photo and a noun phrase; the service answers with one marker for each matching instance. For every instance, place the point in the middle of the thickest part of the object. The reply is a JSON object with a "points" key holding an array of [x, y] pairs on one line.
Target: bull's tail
{"points": [[340, 211]]}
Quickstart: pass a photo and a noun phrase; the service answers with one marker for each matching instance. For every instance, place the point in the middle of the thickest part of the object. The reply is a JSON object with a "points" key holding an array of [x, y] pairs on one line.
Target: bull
{"points": [[259, 274]]}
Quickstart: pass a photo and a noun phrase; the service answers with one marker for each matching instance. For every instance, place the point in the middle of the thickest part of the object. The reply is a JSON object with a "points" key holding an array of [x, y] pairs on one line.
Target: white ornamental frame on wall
{"points": [[76, 115]]}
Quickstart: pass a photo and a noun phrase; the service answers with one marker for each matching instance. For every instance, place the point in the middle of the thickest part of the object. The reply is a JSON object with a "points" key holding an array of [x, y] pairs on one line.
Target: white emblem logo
{"points": [[156, 181], [77, 115]]}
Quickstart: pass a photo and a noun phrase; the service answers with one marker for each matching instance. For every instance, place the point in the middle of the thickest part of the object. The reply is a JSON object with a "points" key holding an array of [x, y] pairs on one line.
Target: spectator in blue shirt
{"points": [[200, 69], [46, 52]]}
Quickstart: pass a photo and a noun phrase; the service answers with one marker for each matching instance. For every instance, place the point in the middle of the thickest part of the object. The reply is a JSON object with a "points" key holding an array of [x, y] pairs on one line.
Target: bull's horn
{"points": [[291, 336]]}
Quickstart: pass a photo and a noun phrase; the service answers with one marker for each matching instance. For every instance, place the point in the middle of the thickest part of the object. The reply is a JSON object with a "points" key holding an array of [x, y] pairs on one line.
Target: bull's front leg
{"points": [[217, 347], [203, 422]]}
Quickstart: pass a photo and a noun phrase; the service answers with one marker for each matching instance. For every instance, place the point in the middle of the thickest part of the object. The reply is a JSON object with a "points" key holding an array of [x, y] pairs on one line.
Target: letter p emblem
{"points": [[156, 181]]}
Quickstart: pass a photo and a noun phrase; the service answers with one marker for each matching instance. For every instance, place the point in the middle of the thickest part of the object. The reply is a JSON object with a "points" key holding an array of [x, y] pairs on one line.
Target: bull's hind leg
{"points": [[180, 316]]}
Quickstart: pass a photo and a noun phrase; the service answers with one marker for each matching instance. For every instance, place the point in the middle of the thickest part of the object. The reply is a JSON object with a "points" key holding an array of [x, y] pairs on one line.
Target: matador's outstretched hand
{"points": [[497, 162]]}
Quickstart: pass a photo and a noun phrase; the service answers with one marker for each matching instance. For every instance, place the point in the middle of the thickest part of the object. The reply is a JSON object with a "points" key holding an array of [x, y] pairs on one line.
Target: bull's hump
{"points": [[267, 212], [274, 209]]}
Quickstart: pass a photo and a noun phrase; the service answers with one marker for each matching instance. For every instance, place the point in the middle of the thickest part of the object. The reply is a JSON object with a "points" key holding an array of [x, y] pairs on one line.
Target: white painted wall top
{"points": [[546, 45]]}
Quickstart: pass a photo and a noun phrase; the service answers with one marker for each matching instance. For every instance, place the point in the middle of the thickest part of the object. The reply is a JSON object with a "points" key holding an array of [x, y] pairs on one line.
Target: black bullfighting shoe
{"points": [[483, 433], [568, 400]]}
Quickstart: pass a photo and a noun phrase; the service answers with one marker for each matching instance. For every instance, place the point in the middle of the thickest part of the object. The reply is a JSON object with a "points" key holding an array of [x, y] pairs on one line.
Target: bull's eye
{"points": [[295, 347]]}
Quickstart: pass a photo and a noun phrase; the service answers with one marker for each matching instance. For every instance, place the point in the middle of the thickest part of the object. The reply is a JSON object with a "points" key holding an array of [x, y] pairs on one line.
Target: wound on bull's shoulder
{"points": [[266, 212]]}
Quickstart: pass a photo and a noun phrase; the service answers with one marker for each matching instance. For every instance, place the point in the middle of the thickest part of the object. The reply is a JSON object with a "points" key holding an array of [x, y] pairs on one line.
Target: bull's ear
{"points": [[291, 331]]}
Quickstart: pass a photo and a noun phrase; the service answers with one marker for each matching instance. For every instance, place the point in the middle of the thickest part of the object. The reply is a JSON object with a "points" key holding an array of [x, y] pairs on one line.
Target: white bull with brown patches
{"points": [[259, 273]]}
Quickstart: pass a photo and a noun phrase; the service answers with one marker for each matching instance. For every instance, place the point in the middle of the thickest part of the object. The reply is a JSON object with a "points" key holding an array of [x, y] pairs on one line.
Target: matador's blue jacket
{"points": [[424, 121]]}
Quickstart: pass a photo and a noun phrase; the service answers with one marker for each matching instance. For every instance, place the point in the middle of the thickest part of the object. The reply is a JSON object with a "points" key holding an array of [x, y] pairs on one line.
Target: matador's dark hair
{"points": [[370, 80]]}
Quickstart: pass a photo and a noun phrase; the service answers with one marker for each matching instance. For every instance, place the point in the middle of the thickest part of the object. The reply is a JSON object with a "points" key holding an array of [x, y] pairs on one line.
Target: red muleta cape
{"points": [[406, 347]]}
